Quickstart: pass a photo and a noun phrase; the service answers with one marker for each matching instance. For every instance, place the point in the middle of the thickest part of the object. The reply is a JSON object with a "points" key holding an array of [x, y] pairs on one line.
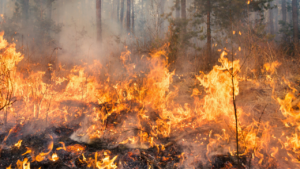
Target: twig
{"points": [[143, 154], [256, 133], [233, 98]]}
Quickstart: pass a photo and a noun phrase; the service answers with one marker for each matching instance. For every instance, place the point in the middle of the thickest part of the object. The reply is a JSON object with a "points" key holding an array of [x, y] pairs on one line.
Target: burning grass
{"points": [[133, 117]]}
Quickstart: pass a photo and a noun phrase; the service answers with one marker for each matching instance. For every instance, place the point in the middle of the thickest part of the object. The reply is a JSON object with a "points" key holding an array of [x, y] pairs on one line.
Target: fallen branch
{"points": [[295, 103]]}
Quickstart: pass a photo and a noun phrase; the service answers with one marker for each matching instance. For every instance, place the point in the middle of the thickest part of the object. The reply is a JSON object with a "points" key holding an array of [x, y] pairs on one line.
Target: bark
{"points": [[276, 20], [183, 13], [122, 11], [49, 9], [271, 21], [132, 16], [183, 9], [2, 7], [208, 29], [128, 15], [25, 11], [177, 7], [295, 21], [118, 10], [98, 16], [283, 10]]}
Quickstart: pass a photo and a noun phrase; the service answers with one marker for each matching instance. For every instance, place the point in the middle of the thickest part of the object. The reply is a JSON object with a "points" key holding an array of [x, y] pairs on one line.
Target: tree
{"points": [[132, 16], [276, 19], [183, 9], [118, 10], [295, 21], [183, 13], [49, 9], [2, 7], [98, 16], [128, 15], [25, 12], [283, 10], [271, 20], [208, 8], [122, 11], [177, 8]]}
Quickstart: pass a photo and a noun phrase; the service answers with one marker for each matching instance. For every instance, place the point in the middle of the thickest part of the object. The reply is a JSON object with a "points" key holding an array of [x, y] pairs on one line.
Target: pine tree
{"points": [[128, 15], [295, 21], [98, 16]]}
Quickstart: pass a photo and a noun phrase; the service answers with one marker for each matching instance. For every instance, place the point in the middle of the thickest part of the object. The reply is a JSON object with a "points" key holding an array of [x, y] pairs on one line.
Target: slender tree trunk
{"points": [[112, 11], [1, 6], [271, 21], [177, 7], [49, 10], [132, 16], [276, 20], [118, 11], [283, 10], [183, 9], [122, 11], [128, 15], [183, 13], [161, 12], [98, 16], [25, 12], [208, 30], [295, 21]]}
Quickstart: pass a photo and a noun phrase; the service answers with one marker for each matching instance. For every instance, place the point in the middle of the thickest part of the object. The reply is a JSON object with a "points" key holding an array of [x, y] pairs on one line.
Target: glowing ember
{"points": [[75, 148], [54, 157]]}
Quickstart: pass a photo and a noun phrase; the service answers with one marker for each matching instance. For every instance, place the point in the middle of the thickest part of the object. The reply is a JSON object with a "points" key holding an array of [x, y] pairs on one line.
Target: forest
{"points": [[149, 84]]}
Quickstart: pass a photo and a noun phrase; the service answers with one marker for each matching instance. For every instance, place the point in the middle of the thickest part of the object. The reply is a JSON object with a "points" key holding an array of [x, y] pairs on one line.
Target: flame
{"points": [[18, 144], [63, 146], [137, 106], [23, 164], [75, 148], [54, 157], [106, 162], [40, 157]]}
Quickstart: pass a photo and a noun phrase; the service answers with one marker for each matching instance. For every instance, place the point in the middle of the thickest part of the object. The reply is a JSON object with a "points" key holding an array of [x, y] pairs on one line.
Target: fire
{"points": [[104, 163], [40, 157], [75, 148], [23, 164], [63, 146], [54, 157], [137, 107], [18, 144]]}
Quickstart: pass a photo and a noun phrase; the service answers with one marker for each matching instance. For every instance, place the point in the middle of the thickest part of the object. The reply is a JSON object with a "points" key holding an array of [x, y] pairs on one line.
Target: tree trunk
{"points": [[183, 13], [25, 11], [276, 20], [177, 7], [122, 11], [118, 11], [128, 15], [283, 10], [183, 9], [49, 10], [2, 7], [271, 21], [112, 11], [208, 30], [98, 16], [295, 21], [132, 16]]}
